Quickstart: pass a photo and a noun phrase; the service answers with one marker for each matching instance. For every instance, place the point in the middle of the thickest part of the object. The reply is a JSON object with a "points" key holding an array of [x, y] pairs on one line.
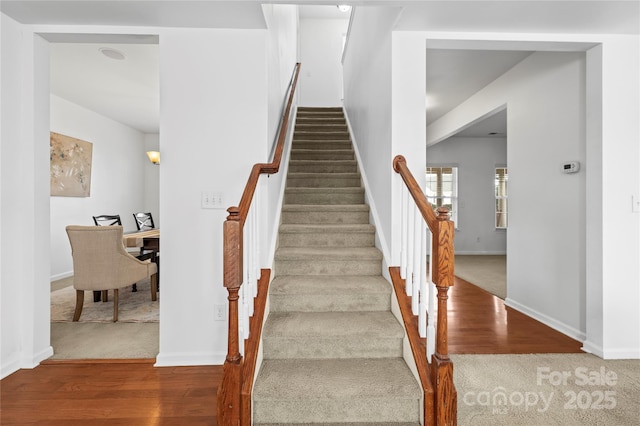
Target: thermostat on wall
{"points": [[571, 167]]}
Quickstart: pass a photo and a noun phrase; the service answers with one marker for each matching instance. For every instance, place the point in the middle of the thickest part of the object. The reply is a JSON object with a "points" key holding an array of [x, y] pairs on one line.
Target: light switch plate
{"points": [[635, 200], [211, 200]]}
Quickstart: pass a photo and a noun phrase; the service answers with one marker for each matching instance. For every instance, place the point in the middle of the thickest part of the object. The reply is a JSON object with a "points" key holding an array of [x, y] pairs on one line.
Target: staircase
{"points": [[332, 348]]}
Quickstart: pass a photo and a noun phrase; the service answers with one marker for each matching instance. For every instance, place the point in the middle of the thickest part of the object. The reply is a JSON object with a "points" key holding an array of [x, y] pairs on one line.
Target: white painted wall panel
{"points": [[476, 159], [321, 55]]}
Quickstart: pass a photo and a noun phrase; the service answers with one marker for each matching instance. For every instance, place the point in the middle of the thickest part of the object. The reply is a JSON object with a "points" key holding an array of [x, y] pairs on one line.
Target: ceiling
{"points": [[127, 90]]}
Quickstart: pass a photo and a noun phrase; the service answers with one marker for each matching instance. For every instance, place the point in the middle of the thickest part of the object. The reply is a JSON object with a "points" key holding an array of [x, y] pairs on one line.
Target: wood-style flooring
{"points": [[133, 392]]}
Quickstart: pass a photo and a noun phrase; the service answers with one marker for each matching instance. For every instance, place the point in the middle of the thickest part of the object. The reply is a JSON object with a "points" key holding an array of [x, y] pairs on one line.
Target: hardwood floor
{"points": [[480, 323], [133, 392], [129, 392]]}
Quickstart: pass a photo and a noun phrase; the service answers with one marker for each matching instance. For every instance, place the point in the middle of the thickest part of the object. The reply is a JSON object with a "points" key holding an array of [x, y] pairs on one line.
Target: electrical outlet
{"points": [[219, 312]]}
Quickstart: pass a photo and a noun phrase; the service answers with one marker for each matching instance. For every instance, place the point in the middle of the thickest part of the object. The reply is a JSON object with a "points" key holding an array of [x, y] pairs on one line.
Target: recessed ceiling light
{"points": [[344, 7], [112, 53]]}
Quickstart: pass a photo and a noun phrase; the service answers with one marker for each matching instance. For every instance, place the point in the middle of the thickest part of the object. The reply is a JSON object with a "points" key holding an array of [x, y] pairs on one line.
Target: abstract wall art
{"points": [[70, 166]]}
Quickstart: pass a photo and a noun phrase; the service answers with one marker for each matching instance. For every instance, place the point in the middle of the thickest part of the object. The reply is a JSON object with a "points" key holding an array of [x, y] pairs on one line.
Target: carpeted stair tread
{"points": [[328, 293], [332, 253], [342, 390], [325, 213], [341, 228], [324, 154], [313, 135], [348, 195], [323, 166], [320, 145], [339, 284], [322, 325], [327, 235], [341, 424], [324, 180], [319, 335]]}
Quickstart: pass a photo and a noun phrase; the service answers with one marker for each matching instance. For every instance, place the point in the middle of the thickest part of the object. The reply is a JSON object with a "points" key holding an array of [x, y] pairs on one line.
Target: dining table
{"points": [[148, 241]]}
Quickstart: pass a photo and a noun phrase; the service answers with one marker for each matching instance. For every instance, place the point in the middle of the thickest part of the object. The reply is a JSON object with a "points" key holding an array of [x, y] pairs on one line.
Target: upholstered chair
{"points": [[101, 263]]}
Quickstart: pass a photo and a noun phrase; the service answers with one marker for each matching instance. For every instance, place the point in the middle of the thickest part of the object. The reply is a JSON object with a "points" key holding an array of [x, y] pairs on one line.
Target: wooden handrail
{"points": [[442, 259], [273, 167], [229, 397]]}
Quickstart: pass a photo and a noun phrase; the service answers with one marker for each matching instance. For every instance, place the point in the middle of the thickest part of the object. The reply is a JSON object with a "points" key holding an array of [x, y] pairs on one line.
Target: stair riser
{"points": [[329, 303], [328, 267], [328, 135], [312, 239], [356, 410], [323, 182], [313, 217], [325, 198], [322, 167], [321, 155], [322, 145], [311, 121], [321, 127], [335, 348]]}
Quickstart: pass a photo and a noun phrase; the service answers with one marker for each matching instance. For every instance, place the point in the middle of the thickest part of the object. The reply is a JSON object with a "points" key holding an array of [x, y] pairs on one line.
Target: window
{"points": [[442, 189], [501, 179]]}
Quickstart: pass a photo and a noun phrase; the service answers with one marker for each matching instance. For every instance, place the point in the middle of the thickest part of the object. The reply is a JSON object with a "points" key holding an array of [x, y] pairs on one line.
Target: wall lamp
{"points": [[154, 157]]}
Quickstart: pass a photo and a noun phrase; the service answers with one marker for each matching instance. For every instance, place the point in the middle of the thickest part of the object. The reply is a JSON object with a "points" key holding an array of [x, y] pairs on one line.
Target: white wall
{"points": [[476, 159], [152, 179], [118, 173], [546, 126], [24, 199], [368, 102], [581, 274], [214, 121], [282, 23], [321, 56]]}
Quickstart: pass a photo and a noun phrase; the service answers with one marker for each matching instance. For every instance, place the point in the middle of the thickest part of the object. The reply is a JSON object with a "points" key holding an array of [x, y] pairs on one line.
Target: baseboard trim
{"points": [[547, 320], [481, 253], [60, 276], [189, 359]]}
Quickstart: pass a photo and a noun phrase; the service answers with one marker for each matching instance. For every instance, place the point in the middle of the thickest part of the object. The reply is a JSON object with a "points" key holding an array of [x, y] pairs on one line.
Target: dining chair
{"points": [[111, 220], [144, 221], [100, 263], [107, 220]]}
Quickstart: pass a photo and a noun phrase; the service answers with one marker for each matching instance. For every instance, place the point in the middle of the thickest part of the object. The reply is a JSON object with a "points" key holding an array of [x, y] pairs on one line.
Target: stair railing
{"points": [[241, 265], [418, 217]]}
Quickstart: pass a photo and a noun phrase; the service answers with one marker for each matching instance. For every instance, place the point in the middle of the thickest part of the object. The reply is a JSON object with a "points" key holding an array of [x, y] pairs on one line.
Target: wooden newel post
{"points": [[446, 396], [228, 397]]}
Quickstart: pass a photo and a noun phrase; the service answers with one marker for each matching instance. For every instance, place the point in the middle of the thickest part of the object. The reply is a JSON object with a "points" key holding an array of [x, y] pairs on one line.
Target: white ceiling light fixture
{"points": [[112, 53], [344, 7]]}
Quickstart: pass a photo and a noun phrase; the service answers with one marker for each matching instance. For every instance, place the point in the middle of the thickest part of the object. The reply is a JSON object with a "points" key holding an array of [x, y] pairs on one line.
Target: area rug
{"points": [[485, 271], [546, 389], [132, 306]]}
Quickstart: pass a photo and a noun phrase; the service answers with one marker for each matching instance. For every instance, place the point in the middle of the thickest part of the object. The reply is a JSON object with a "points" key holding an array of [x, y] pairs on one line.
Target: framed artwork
{"points": [[70, 166]]}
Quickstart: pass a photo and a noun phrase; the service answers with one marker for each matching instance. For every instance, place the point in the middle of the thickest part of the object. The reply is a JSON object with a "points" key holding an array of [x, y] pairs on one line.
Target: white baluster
{"points": [[251, 258], [256, 241], [422, 315], [403, 231], [410, 249], [417, 251], [431, 330]]}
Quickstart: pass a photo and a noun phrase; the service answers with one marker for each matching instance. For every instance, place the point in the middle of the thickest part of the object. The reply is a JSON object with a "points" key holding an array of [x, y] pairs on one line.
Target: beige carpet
{"points": [[95, 336], [527, 390], [487, 272], [132, 306], [94, 340]]}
